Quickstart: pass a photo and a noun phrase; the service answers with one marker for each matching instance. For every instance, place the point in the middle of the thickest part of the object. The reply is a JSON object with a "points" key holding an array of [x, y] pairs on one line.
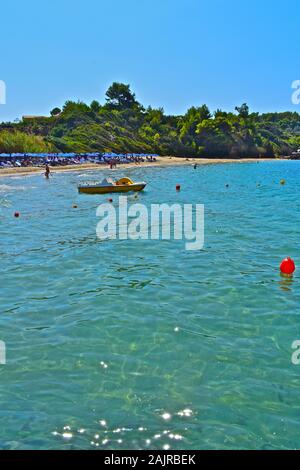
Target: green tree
{"points": [[189, 122], [95, 106], [73, 107], [204, 113], [243, 110], [21, 142], [55, 111], [120, 96]]}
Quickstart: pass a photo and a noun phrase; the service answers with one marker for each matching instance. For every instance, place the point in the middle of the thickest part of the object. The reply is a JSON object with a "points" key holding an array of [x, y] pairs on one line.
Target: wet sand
{"points": [[160, 161]]}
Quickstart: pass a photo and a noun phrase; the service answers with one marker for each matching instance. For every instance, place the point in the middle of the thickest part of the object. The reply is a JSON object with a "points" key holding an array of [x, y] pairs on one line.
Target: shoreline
{"points": [[160, 162]]}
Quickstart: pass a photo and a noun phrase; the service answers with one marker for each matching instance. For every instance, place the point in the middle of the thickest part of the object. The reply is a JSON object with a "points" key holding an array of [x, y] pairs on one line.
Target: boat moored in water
{"points": [[123, 185]]}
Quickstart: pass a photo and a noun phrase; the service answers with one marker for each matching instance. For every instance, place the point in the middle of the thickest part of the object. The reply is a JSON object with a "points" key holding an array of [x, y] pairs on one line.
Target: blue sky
{"points": [[174, 53]]}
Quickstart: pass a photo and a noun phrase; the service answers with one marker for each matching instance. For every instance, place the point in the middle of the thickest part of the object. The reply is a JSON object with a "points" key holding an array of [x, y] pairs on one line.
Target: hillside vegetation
{"points": [[123, 125]]}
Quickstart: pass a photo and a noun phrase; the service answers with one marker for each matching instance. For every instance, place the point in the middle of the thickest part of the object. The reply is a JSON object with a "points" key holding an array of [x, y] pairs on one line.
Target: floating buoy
{"points": [[75, 206], [177, 187], [110, 200], [282, 182], [17, 214], [287, 266]]}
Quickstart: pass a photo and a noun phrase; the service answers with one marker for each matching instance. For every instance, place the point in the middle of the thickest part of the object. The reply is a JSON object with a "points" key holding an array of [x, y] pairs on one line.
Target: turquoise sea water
{"points": [[142, 344]]}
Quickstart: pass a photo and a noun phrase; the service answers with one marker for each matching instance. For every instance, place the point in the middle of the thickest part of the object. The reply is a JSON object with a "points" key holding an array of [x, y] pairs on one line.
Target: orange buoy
{"points": [[17, 214], [287, 266], [177, 187]]}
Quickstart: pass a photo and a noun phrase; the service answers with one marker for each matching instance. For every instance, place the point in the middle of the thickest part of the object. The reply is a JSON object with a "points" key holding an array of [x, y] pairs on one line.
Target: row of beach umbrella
{"points": [[74, 155]]}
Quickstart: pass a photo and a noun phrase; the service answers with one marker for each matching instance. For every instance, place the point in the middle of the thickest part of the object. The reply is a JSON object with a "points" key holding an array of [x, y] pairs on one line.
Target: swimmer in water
{"points": [[47, 171]]}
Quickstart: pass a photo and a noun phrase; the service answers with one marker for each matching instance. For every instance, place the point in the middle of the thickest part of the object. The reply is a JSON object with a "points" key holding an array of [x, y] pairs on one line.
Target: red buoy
{"points": [[17, 214], [110, 200], [177, 187], [287, 266]]}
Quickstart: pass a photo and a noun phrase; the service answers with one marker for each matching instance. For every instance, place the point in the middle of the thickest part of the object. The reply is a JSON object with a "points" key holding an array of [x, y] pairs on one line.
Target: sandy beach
{"points": [[160, 161]]}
